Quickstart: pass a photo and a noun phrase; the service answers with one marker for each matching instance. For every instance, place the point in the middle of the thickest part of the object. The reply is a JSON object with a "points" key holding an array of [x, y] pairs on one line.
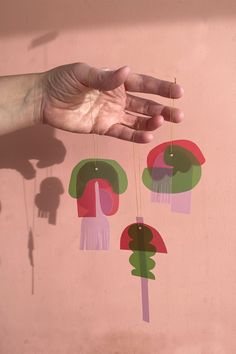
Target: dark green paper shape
{"points": [[186, 170], [89, 169], [142, 263], [143, 250]]}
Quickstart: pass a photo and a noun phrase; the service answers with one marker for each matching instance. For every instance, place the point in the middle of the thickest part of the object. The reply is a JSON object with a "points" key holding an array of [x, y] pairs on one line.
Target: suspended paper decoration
{"points": [[173, 170], [96, 184], [95, 230], [145, 242]]}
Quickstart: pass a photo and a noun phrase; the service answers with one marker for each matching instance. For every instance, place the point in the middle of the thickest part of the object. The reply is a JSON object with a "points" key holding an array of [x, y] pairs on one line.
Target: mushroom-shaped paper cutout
{"points": [[173, 170], [96, 184], [144, 241], [111, 179]]}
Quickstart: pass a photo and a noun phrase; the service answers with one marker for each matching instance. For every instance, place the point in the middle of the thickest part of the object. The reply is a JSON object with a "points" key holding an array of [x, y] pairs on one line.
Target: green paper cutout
{"points": [[142, 263], [143, 250], [186, 170], [141, 236], [89, 169]]}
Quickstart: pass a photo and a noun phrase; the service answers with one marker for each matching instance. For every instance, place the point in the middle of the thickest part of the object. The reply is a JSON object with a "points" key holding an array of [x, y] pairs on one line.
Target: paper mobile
{"points": [[173, 170], [96, 185], [145, 242]]}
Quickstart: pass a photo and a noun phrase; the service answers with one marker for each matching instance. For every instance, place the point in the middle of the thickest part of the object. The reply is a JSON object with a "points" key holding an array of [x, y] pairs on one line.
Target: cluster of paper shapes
{"points": [[144, 241], [173, 170], [96, 184]]}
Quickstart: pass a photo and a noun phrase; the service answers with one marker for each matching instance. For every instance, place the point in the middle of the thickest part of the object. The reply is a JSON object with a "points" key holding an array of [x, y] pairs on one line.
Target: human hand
{"points": [[82, 99]]}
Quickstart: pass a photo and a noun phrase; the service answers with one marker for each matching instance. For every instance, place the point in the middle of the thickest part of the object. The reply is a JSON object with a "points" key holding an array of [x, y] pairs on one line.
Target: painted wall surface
{"points": [[87, 302]]}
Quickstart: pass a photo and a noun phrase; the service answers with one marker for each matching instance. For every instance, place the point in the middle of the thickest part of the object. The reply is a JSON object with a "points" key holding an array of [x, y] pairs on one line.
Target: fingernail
{"points": [[160, 120], [181, 116]]}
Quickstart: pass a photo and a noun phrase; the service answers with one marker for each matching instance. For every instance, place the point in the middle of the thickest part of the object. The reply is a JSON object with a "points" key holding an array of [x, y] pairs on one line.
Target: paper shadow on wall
{"points": [[37, 143], [48, 199], [76, 14]]}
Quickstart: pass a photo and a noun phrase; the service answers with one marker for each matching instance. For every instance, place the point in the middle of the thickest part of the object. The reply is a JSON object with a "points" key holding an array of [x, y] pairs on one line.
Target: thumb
{"points": [[101, 79]]}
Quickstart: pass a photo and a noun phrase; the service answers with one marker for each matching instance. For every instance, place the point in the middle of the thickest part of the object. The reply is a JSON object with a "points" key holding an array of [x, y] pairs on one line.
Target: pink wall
{"points": [[87, 302]]}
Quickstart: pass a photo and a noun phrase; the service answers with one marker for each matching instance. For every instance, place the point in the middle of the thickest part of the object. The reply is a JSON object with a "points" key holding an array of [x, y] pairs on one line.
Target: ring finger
{"points": [[152, 108]]}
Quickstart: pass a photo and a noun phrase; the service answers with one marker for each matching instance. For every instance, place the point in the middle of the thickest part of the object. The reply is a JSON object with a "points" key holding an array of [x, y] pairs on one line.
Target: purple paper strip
{"points": [[145, 299], [139, 219], [181, 202], [144, 287]]}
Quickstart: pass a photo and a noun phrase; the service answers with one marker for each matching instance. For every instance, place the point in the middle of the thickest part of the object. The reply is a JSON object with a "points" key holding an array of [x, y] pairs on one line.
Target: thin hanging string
{"points": [[137, 177], [171, 136], [171, 121], [30, 228], [95, 148]]}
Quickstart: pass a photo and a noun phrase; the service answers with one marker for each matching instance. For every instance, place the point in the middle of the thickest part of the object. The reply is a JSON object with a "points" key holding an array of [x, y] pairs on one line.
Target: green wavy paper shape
{"points": [[142, 263]]}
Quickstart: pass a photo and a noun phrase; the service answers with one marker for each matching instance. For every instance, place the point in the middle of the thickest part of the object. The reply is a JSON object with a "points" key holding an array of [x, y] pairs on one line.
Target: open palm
{"points": [[83, 99]]}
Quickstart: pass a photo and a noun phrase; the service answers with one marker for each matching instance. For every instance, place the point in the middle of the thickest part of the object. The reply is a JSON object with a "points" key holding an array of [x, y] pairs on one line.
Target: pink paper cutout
{"points": [[109, 204], [95, 231], [109, 200], [156, 241], [187, 144]]}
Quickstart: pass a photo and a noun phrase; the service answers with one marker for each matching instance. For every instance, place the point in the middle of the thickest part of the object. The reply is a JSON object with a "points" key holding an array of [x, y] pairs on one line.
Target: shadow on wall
{"points": [[43, 39], [159, 342], [37, 143], [27, 16], [48, 199]]}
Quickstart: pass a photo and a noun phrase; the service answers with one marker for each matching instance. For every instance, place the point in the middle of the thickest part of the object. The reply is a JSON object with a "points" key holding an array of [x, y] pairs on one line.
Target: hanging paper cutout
{"points": [[95, 230], [145, 242], [96, 184], [48, 199], [173, 170]]}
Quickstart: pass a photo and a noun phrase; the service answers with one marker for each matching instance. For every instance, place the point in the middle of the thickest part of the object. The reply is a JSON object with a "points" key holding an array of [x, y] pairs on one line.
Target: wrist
{"points": [[20, 101], [37, 116]]}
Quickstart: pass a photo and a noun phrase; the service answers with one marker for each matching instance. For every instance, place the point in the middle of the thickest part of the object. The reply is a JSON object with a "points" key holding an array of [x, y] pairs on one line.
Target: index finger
{"points": [[148, 84]]}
